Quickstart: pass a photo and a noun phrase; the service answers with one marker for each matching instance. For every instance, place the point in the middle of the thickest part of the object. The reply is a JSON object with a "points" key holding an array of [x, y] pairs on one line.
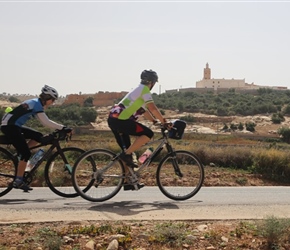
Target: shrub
{"points": [[250, 126], [228, 157], [277, 118], [274, 230], [89, 102], [241, 126], [225, 127], [273, 163], [187, 118], [170, 233], [285, 133], [233, 126], [13, 99]]}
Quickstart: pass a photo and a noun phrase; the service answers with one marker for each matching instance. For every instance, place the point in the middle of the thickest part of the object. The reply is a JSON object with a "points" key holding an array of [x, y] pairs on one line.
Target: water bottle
{"points": [[145, 155], [28, 166], [31, 163]]}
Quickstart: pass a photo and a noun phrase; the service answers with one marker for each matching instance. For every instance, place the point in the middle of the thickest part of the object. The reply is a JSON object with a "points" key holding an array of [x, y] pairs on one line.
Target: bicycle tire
{"points": [[175, 187], [8, 169], [58, 173], [92, 184]]}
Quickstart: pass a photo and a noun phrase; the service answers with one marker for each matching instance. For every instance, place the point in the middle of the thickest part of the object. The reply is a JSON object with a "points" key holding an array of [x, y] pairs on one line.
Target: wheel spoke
{"points": [[180, 177], [96, 177], [7, 171], [58, 173]]}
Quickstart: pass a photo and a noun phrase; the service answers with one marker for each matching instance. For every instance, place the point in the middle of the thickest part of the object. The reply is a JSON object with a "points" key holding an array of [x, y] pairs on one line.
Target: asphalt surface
{"points": [[211, 203]]}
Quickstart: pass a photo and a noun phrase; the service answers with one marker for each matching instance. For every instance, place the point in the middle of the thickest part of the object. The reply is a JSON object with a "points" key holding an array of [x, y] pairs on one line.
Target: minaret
{"points": [[206, 72]]}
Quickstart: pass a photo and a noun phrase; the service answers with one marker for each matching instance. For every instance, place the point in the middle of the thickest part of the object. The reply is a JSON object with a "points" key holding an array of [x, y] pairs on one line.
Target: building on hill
{"points": [[99, 99], [219, 85], [208, 82]]}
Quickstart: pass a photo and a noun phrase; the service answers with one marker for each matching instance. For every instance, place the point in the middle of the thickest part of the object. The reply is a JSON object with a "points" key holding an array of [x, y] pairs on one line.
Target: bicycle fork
{"points": [[174, 161]]}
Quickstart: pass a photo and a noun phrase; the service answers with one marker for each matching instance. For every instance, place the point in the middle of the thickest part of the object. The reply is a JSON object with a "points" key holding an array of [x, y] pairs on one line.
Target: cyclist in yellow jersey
{"points": [[123, 117]]}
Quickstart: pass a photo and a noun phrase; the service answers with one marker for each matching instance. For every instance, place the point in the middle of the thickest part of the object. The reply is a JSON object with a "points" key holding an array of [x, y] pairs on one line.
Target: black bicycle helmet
{"points": [[149, 75]]}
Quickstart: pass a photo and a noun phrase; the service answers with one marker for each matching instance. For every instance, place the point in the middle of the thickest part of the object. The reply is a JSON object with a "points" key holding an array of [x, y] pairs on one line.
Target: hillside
{"points": [[208, 124]]}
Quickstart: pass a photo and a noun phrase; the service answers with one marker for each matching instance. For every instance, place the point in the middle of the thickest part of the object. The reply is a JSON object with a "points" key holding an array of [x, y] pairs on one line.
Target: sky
{"points": [[91, 46]]}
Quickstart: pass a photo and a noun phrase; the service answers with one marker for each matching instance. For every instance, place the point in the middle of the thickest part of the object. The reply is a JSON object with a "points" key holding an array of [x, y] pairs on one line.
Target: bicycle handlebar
{"points": [[165, 126], [60, 135]]}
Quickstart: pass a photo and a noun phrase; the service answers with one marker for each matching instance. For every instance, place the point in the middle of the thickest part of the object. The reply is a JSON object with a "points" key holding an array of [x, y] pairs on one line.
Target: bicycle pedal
{"points": [[132, 187], [98, 183]]}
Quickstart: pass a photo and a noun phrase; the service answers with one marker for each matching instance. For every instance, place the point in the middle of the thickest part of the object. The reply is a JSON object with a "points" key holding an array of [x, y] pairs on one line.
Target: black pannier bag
{"points": [[178, 129]]}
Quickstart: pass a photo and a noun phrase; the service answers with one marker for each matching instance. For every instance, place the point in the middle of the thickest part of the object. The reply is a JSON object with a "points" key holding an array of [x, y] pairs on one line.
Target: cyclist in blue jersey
{"points": [[13, 127], [123, 117]]}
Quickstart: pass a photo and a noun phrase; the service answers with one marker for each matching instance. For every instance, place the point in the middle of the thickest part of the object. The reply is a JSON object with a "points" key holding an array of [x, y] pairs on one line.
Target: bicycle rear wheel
{"points": [[180, 187], [96, 176], [8, 168], [58, 172]]}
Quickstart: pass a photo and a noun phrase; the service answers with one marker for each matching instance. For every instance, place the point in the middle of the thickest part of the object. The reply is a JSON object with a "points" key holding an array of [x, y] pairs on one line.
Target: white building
{"points": [[208, 82], [215, 84]]}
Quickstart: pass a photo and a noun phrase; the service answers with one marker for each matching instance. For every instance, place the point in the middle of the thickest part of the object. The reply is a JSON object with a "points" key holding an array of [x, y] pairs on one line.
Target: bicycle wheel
{"points": [[96, 176], [180, 187], [58, 172], [8, 168]]}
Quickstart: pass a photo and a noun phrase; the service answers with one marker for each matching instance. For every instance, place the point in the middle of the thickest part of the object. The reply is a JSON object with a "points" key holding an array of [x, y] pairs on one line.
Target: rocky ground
{"points": [[139, 235]]}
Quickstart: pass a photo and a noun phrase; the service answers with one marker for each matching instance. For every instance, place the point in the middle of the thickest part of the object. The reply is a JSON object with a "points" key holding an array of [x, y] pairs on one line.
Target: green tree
{"points": [[241, 126], [285, 133], [13, 99], [72, 114], [233, 126], [88, 115], [89, 102], [287, 110], [180, 106], [221, 111], [277, 118], [250, 126]]}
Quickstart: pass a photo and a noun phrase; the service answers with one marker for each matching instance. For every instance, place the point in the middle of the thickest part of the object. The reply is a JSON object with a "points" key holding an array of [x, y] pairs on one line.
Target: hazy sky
{"points": [[92, 46]]}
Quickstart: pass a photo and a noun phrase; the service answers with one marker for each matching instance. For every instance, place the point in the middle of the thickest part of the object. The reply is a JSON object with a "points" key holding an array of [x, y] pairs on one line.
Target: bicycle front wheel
{"points": [[58, 171], [8, 167], [97, 176], [180, 175]]}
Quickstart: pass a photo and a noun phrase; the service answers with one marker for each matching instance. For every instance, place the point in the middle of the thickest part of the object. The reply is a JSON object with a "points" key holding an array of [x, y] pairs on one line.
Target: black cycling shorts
{"points": [[122, 129], [18, 136], [129, 127]]}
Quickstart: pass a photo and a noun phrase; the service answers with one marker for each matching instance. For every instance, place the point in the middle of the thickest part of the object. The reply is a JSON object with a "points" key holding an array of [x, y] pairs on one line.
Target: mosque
{"points": [[223, 85]]}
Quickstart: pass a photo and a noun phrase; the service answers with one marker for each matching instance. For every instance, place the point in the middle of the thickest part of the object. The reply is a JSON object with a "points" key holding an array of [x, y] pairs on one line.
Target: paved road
{"points": [[211, 203]]}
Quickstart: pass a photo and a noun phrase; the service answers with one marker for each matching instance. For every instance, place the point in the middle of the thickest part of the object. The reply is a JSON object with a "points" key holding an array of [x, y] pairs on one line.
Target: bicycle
{"points": [[57, 171], [99, 174]]}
